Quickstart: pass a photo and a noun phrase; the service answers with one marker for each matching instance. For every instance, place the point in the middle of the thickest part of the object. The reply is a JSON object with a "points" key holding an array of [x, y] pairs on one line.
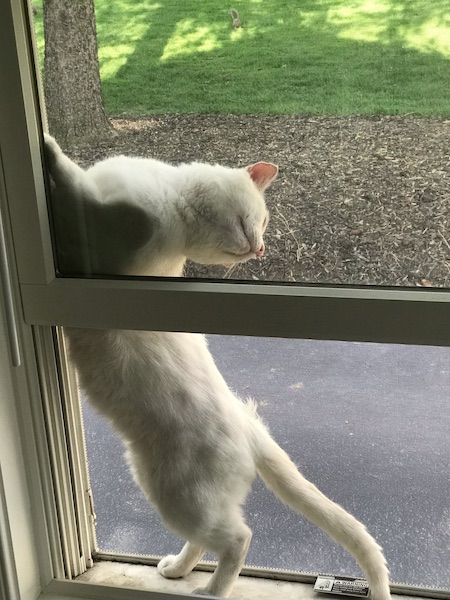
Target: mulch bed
{"points": [[359, 200]]}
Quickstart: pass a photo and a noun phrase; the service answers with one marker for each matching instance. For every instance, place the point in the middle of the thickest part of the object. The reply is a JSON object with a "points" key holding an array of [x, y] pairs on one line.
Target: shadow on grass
{"points": [[327, 57]]}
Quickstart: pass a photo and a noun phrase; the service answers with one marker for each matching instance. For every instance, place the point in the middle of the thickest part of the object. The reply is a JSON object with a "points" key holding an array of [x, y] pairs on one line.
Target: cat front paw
{"points": [[51, 144], [169, 567]]}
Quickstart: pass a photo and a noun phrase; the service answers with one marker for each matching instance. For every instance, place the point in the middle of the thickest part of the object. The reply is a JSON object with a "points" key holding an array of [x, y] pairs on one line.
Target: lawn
{"points": [[334, 57]]}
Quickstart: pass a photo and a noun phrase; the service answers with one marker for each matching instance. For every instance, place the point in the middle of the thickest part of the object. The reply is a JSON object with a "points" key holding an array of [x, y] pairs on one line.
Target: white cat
{"points": [[193, 446]]}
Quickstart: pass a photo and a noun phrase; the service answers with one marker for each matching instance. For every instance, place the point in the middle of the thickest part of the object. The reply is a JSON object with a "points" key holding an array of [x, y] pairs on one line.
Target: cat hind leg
{"points": [[231, 549], [180, 565]]}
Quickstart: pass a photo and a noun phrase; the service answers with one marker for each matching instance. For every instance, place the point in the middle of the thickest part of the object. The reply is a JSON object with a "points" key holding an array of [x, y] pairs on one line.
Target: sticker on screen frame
{"points": [[342, 586]]}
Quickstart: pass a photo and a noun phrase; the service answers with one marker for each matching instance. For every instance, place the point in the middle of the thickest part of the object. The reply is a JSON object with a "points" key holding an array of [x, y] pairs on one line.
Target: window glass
{"points": [[354, 203], [349, 101], [367, 423]]}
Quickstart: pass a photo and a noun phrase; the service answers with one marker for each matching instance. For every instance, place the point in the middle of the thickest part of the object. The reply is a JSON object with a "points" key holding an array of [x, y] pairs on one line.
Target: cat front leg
{"points": [[182, 564], [65, 173]]}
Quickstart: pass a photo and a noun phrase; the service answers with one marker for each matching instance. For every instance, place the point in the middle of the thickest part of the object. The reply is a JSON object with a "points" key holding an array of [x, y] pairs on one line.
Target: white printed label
{"points": [[345, 586]]}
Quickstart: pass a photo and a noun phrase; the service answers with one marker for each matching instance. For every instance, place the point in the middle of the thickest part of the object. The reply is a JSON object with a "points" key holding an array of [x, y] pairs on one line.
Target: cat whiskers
{"points": [[229, 271]]}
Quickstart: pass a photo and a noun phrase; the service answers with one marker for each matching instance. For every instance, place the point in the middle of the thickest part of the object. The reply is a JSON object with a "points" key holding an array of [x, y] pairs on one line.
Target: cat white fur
{"points": [[193, 446]]}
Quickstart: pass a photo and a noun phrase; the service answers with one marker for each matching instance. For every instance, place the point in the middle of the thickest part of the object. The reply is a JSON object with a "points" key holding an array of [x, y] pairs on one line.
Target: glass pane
{"points": [[350, 102], [367, 423]]}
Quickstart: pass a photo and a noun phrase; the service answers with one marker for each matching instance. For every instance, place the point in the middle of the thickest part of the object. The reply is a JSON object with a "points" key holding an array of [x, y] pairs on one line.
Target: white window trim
{"points": [[37, 516]]}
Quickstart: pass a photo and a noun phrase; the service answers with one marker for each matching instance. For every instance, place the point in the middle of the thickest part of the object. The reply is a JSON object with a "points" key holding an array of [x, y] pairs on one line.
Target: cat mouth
{"points": [[240, 254]]}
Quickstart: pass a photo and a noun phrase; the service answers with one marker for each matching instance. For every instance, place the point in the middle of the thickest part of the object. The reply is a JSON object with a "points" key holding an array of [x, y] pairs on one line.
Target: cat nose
{"points": [[260, 252]]}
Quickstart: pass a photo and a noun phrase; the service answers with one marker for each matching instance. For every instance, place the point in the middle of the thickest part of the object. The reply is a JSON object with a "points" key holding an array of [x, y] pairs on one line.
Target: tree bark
{"points": [[72, 87]]}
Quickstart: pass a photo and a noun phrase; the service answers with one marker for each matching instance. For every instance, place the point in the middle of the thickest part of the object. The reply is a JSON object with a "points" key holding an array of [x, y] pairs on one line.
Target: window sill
{"points": [[147, 578], [118, 581]]}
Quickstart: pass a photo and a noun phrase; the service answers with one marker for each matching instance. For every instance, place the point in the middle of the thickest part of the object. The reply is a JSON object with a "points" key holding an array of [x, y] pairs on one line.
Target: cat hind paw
{"points": [[201, 592]]}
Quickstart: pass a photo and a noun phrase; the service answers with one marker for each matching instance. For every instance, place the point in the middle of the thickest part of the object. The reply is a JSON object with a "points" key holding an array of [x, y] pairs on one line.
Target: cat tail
{"points": [[281, 476]]}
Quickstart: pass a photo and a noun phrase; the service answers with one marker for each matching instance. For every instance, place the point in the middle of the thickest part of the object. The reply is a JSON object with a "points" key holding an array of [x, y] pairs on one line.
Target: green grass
{"points": [[332, 57]]}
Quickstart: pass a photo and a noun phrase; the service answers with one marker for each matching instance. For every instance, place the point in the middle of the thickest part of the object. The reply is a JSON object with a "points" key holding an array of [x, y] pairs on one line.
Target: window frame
{"points": [[37, 301], [370, 313]]}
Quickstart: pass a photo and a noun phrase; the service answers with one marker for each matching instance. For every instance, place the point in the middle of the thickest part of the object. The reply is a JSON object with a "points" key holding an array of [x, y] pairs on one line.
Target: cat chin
{"points": [[229, 265], [228, 260], [243, 259]]}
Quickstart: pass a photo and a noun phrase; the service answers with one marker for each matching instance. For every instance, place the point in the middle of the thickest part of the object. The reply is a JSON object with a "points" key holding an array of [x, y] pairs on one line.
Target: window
{"points": [[46, 517]]}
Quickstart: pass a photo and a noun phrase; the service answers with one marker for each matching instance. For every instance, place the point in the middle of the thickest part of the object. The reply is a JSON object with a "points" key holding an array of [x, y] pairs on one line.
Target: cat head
{"points": [[229, 214]]}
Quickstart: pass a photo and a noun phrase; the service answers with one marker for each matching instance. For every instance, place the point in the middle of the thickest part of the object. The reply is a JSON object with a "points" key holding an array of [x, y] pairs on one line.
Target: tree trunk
{"points": [[72, 86]]}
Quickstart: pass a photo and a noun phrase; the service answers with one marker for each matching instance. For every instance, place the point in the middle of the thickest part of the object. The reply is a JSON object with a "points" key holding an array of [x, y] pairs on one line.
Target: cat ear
{"points": [[262, 174]]}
